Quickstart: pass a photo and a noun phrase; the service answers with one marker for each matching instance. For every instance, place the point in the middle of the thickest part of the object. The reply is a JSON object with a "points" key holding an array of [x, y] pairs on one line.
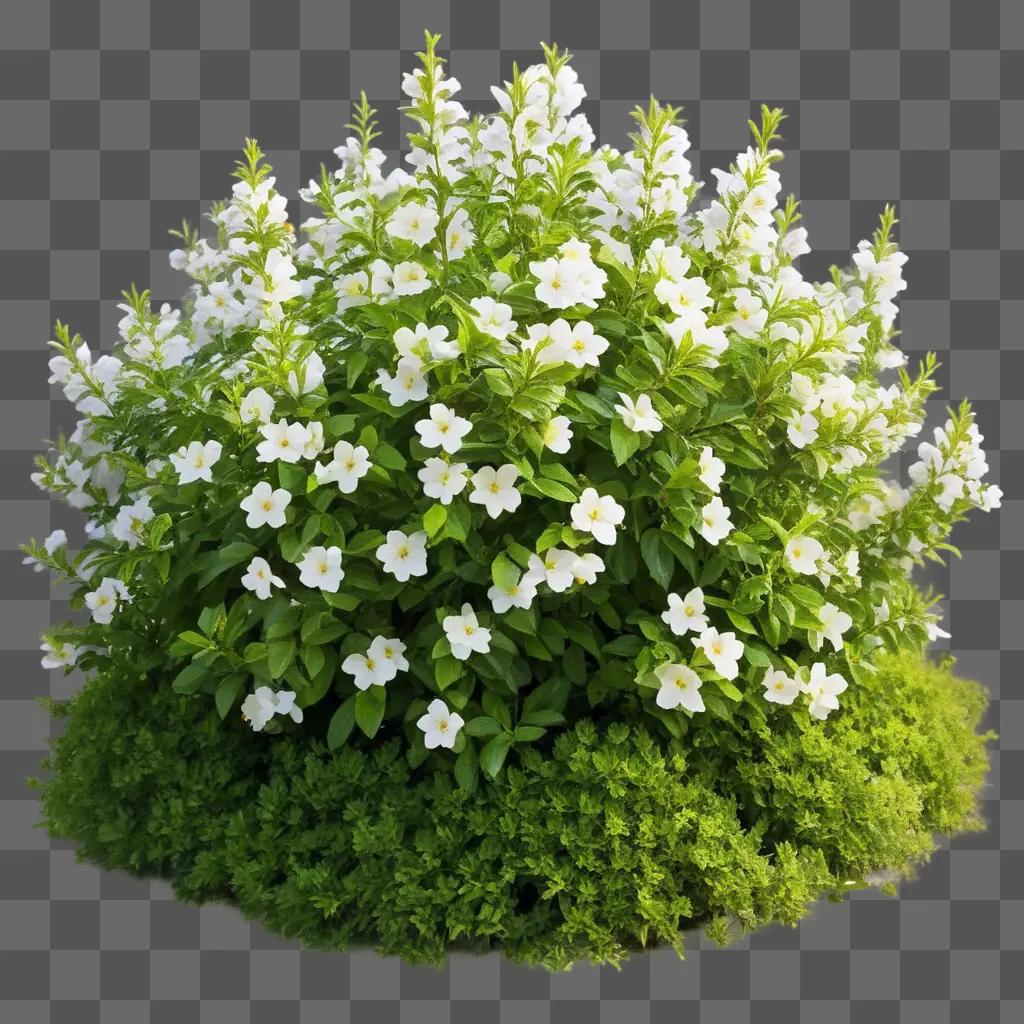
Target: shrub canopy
{"points": [[525, 438]]}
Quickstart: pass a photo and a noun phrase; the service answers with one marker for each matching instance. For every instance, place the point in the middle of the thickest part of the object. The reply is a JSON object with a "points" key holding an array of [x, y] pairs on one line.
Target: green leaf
{"points": [[483, 725], [446, 671], [314, 659], [434, 518], [213, 563], [625, 442], [549, 538], [528, 733], [211, 619], [366, 540], [388, 457], [504, 572], [658, 557], [551, 489], [227, 694], [729, 689], [370, 709], [355, 363], [467, 768], [740, 621], [805, 596], [190, 678], [496, 707], [292, 477], [459, 521], [493, 755], [543, 716], [342, 722], [280, 655]]}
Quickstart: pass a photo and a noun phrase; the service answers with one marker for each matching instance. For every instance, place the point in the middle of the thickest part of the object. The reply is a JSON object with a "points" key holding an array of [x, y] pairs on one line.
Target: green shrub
{"points": [[610, 840]]}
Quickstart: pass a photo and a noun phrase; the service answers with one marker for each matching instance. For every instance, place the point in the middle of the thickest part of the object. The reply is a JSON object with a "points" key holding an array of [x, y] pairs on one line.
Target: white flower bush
{"points": [[525, 434]]}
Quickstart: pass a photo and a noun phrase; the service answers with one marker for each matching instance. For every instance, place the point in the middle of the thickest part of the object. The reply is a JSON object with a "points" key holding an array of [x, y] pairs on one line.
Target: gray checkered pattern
{"points": [[119, 117]]}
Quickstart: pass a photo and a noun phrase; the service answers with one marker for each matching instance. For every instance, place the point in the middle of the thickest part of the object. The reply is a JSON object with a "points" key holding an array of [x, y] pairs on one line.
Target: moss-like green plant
{"points": [[610, 840]]}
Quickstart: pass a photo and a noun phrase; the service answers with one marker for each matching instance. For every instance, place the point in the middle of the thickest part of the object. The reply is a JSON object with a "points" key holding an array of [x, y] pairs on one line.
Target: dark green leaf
{"points": [[370, 709]]}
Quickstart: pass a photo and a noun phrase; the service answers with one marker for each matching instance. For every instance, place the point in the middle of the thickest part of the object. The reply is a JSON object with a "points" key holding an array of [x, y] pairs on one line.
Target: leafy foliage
{"points": [[607, 840]]}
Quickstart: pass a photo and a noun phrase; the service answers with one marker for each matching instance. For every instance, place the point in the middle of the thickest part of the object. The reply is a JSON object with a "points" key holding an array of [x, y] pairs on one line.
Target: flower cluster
{"points": [[520, 435]]}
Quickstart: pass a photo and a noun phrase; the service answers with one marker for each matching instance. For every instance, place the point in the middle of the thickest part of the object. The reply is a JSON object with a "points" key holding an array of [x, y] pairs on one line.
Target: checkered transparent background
{"points": [[118, 118]]}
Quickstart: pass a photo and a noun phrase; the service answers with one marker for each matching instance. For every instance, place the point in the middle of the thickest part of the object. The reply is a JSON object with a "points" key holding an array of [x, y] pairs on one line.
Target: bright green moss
{"points": [[603, 843]]}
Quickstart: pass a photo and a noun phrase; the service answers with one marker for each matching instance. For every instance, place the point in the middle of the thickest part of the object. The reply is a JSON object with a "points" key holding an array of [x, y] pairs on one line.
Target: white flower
{"points": [[259, 578], [459, 234], [585, 346], [408, 383], [780, 688], [951, 487], [493, 318], [439, 725], [686, 613], [751, 316], [257, 407], [57, 539], [128, 526], [597, 515], [495, 489], [265, 506], [680, 688], [414, 222], [321, 568], [803, 554], [639, 415], [557, 434], [587, 567], [283, 440], [823, 690], [286, 705], [802, 429], [834, 624], [314, 440], [59, 655], [710, 469], [465, 634], [723, 650], [442, 480], [351, 290], [444, 429], [410, 278], [518, 595], [425, 342], [260, 706], [383, 660], [106, 599], [195, 462], [349, 465], [404, 555], [557, 283], [715, 524], [557, 569]]}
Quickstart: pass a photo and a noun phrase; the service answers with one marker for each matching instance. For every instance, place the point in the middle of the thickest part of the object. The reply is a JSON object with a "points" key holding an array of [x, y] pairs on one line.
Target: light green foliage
{"points": [[613, 840]]}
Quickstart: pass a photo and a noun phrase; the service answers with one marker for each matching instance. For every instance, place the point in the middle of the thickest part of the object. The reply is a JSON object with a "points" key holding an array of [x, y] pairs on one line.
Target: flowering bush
{"points": [[525, 439]]}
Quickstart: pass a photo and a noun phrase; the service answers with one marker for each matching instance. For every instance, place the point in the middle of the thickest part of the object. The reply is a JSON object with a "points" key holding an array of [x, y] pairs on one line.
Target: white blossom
{"points": [[257, 407], [321, 568], [443, 481], [723, 650], [680, 688], [348, 466], [557, 435], [686, 613], [265, 506], [439, 726], [283, 441], [639, 415], [598, 515], [444, 429], [823, 690], [465, 634], [196, 461], [404, 555], [495, 489], [803, 554], [715, 524], [259, 578], [710, 469], [780, 688]]}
